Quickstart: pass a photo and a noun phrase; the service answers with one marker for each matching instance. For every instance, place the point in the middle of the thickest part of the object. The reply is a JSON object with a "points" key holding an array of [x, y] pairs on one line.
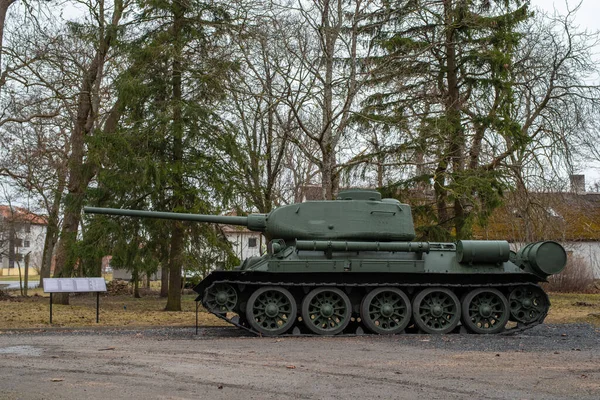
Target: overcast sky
{"points": [[587, 17]]}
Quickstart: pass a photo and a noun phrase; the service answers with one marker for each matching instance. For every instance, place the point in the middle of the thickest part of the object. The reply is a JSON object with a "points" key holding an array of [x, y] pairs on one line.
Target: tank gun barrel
{"points": [[254, 222]]}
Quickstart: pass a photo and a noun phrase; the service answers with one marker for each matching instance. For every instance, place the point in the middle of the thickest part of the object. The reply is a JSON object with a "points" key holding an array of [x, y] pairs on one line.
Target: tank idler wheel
{"points": [[386, 311], [271, 310], [221, 298], [436, 310], [485, 311], [326, 311], [528, 304]]}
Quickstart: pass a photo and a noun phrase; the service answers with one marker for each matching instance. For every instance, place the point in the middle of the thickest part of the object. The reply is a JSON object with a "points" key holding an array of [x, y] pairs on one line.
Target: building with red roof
{"points": [[22, 234]]}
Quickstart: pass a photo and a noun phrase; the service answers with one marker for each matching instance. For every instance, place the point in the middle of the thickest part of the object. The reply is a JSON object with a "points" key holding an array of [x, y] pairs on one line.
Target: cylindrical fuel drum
{"points": [[545, 258], [482, 251]]}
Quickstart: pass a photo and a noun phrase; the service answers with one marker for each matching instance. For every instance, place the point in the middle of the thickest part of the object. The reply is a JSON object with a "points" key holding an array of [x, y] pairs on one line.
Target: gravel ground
{"points": [[547, 362]]}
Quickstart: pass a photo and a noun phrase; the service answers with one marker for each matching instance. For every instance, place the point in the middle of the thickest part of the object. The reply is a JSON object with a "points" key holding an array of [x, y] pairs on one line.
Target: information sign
{"points": [[72, 285]]}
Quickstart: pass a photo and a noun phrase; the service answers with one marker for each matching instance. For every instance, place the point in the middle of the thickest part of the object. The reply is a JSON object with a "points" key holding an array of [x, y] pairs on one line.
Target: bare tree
{"points": [[86, 118], [322, 48], [260, 121], [32, 147], [35, 163]]}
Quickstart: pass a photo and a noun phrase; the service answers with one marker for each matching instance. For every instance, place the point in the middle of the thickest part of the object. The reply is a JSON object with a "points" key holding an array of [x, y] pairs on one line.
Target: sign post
{"points": [[75, 285]]}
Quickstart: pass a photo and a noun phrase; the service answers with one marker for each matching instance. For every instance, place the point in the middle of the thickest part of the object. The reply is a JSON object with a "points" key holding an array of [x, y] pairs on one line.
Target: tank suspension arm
{"points": [[327, 245], [255, 222]]}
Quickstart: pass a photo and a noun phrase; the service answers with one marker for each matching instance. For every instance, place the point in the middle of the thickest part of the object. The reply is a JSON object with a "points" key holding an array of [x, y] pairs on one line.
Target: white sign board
{"points": [[71, 285]]}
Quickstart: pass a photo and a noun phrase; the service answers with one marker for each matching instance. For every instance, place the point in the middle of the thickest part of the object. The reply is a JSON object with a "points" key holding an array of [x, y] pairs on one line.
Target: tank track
{"points": [[520, 327]]}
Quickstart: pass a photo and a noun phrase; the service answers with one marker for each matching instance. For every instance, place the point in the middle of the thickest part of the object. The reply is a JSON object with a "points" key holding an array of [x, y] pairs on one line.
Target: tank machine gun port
{"points": [[350, 265]]}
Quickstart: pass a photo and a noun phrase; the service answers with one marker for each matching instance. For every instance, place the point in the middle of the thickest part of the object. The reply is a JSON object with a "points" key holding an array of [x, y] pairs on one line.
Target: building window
{"points": [[251, 242], [26, 243], [27, 228]]}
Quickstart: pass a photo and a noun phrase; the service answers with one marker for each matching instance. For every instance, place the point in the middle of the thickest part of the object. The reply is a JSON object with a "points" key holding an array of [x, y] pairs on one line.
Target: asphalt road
{"points": [[15, 284], [548, 362]]}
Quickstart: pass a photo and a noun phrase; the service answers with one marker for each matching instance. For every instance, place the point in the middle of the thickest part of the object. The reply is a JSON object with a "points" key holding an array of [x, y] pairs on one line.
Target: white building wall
{"points": [[589, 251], [36, 238], [32, 242], [241, 242]]}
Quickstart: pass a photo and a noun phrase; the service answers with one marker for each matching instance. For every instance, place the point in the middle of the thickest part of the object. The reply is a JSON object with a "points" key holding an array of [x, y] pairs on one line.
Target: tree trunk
{"points": [[26, 275], [20, 276], [455, 130], [51, 235], [439, 187], [164, 277], [78, 178], [135, 277], [52, 229], [175, 264], [327, 146], [4, 4], [77, 184], [177, 229]]}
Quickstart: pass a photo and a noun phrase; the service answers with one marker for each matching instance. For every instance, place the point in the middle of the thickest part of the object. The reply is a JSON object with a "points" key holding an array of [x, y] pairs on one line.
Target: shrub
{"points": [[577, 277]]}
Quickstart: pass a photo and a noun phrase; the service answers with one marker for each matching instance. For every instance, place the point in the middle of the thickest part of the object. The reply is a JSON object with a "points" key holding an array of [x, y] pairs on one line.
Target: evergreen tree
{"points": [[167, 153], [447, 87]]}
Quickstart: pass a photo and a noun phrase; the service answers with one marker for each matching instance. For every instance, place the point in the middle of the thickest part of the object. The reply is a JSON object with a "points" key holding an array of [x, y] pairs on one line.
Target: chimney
{"points": [[577, 184]]}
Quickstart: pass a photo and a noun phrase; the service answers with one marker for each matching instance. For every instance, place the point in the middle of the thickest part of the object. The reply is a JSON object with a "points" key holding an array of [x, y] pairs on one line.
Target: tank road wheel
{"points": [[436, 310], [485, 311], [271, 310], [221, 298], [528, 304], [386, 311], [326, 311]]}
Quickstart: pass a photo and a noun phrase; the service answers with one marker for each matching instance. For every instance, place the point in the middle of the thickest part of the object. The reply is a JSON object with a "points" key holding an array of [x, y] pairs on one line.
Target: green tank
{"points": [[350, 265]]}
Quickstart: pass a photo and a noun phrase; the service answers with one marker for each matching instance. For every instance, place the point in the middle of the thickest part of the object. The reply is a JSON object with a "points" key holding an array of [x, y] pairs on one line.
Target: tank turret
{"points": [[355, 215]]}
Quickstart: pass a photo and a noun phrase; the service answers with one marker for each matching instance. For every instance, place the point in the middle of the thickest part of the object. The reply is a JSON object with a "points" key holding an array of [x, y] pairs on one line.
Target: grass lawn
{"points": [[115, 311], [574, 307], [16, 278], [126, 311]]}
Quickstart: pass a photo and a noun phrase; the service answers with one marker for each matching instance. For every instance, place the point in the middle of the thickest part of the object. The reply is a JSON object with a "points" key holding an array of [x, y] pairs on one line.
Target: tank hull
{"points": [[366, 284]]}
